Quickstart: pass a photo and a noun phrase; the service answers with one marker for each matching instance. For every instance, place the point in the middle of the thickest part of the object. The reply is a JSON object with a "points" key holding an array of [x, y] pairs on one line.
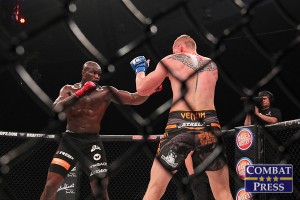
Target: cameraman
{"points": [[264, 113]]}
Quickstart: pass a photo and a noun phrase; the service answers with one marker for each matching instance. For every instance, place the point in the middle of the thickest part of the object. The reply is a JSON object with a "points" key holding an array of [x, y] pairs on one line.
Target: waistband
{"points": [[192, 115], [71, 133]]}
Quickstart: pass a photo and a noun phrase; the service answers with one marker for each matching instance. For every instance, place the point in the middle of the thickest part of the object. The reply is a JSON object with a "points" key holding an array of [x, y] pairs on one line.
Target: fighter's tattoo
{"points": [[185, 59], [210, 66], [199, 66]]}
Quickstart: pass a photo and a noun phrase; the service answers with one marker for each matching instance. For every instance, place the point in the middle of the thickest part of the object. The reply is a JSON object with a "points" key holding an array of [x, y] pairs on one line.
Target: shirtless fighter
{"points": [[84, 104], [193, 123]]}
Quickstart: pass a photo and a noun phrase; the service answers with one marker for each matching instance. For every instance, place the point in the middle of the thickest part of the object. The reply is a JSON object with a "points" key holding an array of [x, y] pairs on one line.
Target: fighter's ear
{"points": [[180, 46]]}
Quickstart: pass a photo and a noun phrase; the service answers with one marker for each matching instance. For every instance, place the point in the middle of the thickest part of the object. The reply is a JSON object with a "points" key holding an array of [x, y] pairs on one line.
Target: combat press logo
{"points": [[264, 178]]}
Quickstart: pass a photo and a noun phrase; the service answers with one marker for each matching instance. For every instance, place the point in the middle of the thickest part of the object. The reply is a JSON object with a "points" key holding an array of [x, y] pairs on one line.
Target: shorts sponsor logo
{"points": [[207, 138], [70, 189], [268, 178], [244, 139], [97, 156], [94, 147], [98, 171], [60, 162], [193, 124], [192, 115], [170, 158], [72, 174], [98, 165], [241, 165], [65, 154], [243, 195]]}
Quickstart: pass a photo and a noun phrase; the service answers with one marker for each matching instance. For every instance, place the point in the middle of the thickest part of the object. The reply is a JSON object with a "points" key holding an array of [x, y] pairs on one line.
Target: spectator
{"points": [[264, 113]]}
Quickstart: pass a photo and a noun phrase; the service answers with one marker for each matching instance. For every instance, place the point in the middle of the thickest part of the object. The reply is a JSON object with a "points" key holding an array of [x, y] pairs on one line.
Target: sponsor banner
{"points": [[243, 195], [27, 135], [244, 139], [11, 134], [240, 166], [269, 178], [150, 137]]}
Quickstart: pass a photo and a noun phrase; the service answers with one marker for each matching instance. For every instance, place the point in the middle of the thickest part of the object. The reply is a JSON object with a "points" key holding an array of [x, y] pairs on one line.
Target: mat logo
{"points": [[267, 178], [243, 195], [241, 165], [244, 139], [170, 158]]}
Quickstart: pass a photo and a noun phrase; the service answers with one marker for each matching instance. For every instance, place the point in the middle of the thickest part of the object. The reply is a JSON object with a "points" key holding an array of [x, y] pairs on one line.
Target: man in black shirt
{"points": [[264, 114], [200, 184]]}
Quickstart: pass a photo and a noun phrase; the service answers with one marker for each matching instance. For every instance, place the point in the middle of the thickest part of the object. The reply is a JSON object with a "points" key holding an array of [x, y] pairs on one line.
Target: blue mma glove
{"points": [[139, 64]]}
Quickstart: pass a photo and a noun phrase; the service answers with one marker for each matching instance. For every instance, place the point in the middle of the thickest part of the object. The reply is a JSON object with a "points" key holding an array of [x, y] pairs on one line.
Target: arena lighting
{"points": [[16, 13], [22, 20]]}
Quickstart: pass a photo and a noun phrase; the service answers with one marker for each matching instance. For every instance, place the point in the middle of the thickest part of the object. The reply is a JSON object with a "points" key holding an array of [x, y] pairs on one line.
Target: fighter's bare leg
{"points": [[159, 179], [54, 180], [100, 189], [219, 183]]}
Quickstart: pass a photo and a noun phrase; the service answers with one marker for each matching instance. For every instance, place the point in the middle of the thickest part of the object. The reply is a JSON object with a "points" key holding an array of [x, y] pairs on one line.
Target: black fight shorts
{"points": [[186, 131], [85, 147]]}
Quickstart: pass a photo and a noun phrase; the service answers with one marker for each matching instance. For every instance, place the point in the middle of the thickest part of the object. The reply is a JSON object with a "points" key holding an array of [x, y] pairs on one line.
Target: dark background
{"points": [[53, 57]]}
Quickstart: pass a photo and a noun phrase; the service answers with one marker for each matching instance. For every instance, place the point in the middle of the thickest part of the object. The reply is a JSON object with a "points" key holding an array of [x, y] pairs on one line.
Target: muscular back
{"points": [[198, 75]]}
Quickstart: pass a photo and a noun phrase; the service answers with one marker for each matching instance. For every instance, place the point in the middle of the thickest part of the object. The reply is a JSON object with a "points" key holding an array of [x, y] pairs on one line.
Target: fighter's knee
{"points": [[99, 188], [49, 191], [100, 182], [104, 182], [156, 187]]}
